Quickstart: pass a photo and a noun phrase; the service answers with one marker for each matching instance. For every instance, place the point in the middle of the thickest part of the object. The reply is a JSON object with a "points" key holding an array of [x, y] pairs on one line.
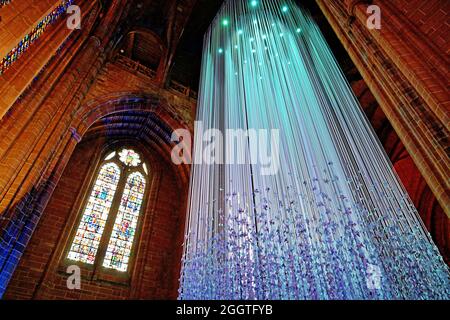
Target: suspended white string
{"points": [[334, 222]]}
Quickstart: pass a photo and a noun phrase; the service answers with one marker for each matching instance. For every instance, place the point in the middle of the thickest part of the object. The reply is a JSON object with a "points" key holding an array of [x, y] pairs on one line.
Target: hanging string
{"points": [[335, 221]]}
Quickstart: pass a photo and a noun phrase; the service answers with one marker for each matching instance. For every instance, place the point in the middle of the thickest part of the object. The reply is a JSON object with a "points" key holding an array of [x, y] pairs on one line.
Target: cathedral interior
{"points": [[103, 99]]}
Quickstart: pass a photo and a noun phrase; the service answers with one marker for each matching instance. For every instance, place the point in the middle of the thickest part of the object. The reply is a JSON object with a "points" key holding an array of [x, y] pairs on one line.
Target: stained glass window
{"points": [[33, 35], [117, 196], [110, 156], [129, 157], [87, 239], [121, 241], [144, 166]]}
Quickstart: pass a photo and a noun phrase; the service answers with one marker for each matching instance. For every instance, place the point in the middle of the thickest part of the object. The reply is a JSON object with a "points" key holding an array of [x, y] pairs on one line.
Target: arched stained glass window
{"points": [[121, 241], [110, 217], [87, 239]]}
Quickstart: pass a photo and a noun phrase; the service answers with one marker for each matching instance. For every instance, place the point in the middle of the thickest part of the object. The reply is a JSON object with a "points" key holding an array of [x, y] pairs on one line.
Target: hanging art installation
{"points": [[334, 222]]}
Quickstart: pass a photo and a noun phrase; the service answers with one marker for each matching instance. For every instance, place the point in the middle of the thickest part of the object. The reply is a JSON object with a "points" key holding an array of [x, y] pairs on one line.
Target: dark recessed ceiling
{"points": [[150, 14], [186, 66], [187, 62]]}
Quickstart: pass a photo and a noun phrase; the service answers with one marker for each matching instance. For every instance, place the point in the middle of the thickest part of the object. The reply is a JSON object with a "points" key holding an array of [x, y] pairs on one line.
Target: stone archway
{"points": [[27, 214]]}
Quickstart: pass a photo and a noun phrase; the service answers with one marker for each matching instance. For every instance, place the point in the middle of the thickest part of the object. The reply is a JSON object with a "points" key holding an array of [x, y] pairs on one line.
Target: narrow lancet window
{"points": [[121, 241], [87, 239], [109, 221]]}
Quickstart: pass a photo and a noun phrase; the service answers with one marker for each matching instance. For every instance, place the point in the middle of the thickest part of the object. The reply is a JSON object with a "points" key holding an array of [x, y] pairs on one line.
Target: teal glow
{"points": [[225, 22], [334, 222], [254, 3]]}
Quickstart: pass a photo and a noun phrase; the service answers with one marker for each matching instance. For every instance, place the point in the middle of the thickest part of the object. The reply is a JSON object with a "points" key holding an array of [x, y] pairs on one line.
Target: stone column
{"points": [[407, 75]]}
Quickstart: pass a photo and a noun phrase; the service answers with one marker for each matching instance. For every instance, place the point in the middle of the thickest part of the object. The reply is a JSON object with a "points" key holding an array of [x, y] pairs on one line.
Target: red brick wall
{"points": [[156, 269], [430, 17]]}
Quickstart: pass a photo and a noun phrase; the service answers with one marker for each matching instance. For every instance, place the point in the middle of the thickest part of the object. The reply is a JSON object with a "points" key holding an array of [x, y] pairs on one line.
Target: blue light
{"points": [[254, 3], [307, 231]]}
